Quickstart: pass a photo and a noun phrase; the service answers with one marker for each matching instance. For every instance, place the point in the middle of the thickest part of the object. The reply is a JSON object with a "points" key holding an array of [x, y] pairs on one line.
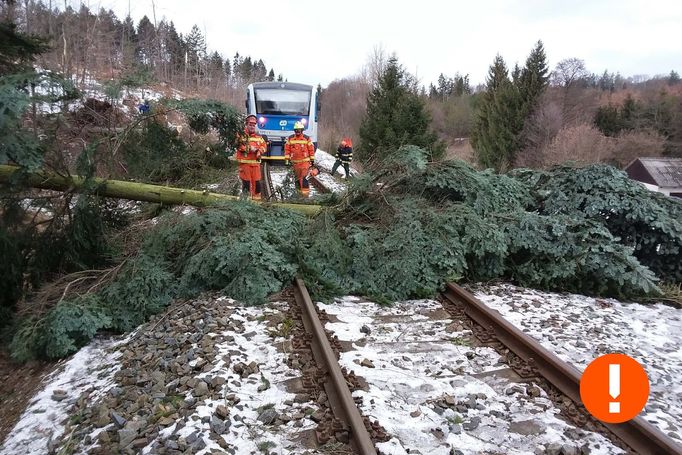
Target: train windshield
{"points": [[272, 101]]}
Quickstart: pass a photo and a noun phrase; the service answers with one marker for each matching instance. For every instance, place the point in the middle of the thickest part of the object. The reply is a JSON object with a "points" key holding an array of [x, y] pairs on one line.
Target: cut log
{"points": [[138, 191]]}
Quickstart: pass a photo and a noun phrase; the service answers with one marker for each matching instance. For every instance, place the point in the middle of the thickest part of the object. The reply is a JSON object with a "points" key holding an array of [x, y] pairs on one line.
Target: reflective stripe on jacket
{"points": [[299, 148], [250, 155], [344, 154]]}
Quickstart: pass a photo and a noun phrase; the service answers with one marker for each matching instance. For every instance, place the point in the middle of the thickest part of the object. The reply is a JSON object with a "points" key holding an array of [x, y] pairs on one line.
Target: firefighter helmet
{"points": [[298, 126]]}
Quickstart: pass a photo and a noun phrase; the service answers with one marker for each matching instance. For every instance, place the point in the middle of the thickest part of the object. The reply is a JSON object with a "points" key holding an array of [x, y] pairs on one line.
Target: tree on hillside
{"points": [[534, 78], [532, 82], [396, 116], [344, 104], [146, 41], [607, 81], [17, 51], [569, 72], [570, 75], [498, 123], [196, 53]]}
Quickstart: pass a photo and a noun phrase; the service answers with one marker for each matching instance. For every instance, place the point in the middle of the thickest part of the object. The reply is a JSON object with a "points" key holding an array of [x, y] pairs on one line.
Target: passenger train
{"points": [[278, 105]]}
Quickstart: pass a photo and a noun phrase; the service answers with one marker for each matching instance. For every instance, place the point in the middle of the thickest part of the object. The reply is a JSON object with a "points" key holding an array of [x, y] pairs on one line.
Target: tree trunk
{"points": [[138, 191]]}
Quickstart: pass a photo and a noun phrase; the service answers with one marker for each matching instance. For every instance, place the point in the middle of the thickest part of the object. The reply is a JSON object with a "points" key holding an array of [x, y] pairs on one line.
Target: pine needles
{"points": [[401, 231]]}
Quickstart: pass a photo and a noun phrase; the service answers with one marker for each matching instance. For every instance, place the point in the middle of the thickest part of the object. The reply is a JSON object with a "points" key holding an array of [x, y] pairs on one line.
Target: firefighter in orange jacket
{"points": [[251, 147], [300, 151]]}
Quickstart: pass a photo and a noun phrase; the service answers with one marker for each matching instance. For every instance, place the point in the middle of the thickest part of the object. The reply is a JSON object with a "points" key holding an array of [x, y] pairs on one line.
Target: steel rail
{"points": [[266, 182], [637, 433], [341, 401], [318, 185]]}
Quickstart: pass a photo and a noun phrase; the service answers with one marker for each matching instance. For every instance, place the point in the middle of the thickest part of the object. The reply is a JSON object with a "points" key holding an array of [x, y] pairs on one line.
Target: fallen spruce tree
{"points": [[135, 191], [402, 229]]}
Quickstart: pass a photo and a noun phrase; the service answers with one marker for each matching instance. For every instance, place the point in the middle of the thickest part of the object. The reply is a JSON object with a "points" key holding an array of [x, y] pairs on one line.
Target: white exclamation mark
{"points": [[614, 387]]}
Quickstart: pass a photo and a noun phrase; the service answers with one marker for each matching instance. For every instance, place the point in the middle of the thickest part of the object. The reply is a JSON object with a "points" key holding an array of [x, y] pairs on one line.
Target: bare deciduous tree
{"points": [[539, 131], [629, 145], [581, 144], [568, 72], [375, 65], [343, 106]]}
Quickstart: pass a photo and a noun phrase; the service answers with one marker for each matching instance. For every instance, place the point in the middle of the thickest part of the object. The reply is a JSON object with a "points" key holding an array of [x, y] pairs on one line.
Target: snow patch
{"points": [[90, 371], [415, 359], [578, 329]]}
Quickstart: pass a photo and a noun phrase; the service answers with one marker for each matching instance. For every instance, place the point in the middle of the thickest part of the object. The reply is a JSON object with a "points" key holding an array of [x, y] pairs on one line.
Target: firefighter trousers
{"points": [[301, 172], [250, 175], [346, 167]]}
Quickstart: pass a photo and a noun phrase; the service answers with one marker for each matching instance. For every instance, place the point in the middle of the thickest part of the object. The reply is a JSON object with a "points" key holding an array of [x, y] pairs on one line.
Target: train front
{"points": [[278, 105]]}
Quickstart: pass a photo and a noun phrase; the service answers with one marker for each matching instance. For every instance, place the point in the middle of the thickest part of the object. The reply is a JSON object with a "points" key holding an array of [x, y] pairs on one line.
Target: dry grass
{"points": [[460, 149]]}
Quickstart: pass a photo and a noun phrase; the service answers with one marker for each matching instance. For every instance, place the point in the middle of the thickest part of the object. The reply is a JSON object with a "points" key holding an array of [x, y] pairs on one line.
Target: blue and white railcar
{"points": [[278, 105]]}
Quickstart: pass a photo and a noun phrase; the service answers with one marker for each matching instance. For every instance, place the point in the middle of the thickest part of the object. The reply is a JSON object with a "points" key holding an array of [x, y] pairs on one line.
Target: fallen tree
{"points": [[134, 190], [401, 231]]}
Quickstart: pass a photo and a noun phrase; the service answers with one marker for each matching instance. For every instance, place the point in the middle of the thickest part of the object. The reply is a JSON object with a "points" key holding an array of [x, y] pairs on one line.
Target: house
{"points": [[658, 174]]}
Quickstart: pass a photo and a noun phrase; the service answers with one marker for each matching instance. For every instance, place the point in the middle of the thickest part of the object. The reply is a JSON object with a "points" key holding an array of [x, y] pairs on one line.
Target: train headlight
{"points": [[261, 120], [304, 121]]}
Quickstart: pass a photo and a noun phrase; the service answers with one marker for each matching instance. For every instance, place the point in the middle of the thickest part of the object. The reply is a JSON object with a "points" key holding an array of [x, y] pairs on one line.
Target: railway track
{"points": [[266, 182], [536, 361], [525, 356], [335, 381], [268, 188]]}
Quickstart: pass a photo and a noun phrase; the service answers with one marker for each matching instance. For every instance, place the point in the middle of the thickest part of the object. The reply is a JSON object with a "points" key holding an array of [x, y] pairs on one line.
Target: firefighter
{"points": [[300, 151], [344, 155], [144, 107], [251, 147]]}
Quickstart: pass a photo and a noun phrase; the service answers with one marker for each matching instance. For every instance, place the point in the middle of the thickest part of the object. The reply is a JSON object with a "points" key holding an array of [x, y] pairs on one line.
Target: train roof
{"points": [[286, 85]]}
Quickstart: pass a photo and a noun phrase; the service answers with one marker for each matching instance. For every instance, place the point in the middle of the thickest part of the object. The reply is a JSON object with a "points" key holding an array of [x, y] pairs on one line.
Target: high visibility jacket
{"points": [[299, 149], [251, 147], [344, 154]]}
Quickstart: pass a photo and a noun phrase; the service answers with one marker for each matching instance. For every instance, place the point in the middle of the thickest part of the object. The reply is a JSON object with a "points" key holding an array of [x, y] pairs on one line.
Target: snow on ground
{"points": [[579, 329], [434, 393], [90, 371], [326, 161], [92, 88], [282, 177], [258, 411], [252, 344]]}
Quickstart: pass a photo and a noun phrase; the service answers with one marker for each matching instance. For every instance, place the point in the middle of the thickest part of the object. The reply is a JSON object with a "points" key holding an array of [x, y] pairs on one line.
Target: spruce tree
{"points": [[17, 50], [496, 128], [396, 116], [534, 77], [507, 103]]}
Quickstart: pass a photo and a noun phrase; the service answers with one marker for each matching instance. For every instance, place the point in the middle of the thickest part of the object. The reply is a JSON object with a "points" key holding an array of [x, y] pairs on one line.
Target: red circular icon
{"points": [[614, 388]]}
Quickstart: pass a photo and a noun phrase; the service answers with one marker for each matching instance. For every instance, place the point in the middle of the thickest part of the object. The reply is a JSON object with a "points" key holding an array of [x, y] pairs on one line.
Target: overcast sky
{"points": [[318, 41]]}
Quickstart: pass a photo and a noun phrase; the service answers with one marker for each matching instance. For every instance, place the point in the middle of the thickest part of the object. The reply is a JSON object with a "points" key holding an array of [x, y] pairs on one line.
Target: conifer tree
{"points": [[495, 133], [506, 105], [534, 77], [17, 50], [396, 116]]}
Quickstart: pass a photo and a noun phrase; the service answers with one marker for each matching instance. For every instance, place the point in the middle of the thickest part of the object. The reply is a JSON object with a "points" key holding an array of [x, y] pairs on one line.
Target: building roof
{"points": [[665, 172]]}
